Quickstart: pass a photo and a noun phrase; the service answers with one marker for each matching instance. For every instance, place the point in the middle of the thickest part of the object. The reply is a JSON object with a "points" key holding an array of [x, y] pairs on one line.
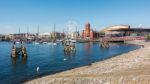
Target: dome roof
{"points": [[117, 27]]}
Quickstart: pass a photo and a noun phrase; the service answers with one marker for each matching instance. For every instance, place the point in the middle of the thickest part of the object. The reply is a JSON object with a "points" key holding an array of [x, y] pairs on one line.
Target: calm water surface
{"points": [[50, 59]]}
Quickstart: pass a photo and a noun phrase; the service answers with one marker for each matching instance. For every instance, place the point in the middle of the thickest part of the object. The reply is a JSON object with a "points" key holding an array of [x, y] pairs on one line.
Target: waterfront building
{"points": [[23, 36], [113, 30], [6, 37], [73, 35], [49, 36], [1, 37], [57, 35], [89, 33], [124, 30], [45, 35]]}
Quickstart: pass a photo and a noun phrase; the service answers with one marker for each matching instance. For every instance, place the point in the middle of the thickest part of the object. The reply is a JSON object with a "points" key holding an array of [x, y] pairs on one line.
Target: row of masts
{"points": [[54, 32], [28, 30]]}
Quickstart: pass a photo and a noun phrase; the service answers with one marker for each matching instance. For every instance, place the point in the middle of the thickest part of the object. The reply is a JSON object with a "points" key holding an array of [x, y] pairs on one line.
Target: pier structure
{"points": [[69, 46], [16, 51], [104, 44], [122, 39]]}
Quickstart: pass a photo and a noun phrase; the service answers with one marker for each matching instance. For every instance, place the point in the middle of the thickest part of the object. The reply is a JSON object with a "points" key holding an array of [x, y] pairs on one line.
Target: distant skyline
{"points": [[15, 14]]}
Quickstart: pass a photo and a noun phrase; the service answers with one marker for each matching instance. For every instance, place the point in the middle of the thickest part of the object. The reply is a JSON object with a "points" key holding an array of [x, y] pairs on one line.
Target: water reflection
{"points": [[88, 54], [88, 47], [14, 60], [104, 49], [69, 55], [19, 60], [19, 66], [23, 60]]}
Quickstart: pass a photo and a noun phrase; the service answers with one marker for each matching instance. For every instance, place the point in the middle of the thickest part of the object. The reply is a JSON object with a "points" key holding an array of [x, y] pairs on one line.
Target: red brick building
{"points": [[88, 33]]}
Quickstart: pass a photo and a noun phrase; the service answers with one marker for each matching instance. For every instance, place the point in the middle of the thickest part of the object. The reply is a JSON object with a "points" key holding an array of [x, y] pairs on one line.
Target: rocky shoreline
{"points": [[129, 68]]}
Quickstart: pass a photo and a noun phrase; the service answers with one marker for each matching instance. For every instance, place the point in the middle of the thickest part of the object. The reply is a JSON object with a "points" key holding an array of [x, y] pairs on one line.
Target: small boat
{"points": [[36, 43], [59, 40], [54, 43], [45, 42], [17, 42], [73, 41], [49, 43]]}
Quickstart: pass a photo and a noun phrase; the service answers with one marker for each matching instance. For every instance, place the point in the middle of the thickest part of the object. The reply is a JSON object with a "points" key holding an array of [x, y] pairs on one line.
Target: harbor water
{"points": [[51, 59]]}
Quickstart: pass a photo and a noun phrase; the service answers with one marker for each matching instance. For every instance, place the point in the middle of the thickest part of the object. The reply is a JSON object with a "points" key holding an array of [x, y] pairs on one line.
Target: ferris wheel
{"points": [[140, 26], [71, 26]]}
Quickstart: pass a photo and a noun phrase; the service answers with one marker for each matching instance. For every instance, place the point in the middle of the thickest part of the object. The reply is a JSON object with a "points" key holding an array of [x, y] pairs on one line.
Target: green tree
{"points": [[148, 37]]}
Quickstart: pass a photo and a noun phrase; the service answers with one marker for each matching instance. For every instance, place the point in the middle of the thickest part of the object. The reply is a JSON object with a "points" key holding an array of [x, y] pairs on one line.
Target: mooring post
{"points": [[14, 51], [24, 52], [104, 44]]}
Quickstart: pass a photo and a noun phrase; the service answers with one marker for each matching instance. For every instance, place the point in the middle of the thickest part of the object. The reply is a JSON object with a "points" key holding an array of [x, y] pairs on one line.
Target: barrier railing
{"points": [[125, 38]]}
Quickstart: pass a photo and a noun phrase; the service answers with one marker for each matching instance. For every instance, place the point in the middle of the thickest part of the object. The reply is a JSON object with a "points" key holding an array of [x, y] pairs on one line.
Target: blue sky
{"points": [[45, 13]]}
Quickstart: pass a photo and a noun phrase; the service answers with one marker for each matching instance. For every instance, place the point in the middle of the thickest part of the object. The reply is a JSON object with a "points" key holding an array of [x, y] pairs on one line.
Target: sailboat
{"points": [[73, 41], [36, 42], [54, 40]]}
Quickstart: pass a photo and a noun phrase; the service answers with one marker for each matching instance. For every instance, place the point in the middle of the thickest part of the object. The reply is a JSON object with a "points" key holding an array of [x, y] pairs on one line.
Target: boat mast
{"points": [[37, 33], [27, 32], [54, 33], [27, 29], [76, 33], [19, 30], [19, 33]]}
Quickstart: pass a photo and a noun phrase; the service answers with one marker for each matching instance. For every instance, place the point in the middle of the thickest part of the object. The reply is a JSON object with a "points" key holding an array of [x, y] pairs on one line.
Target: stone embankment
{"points": [[129, 68]]}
